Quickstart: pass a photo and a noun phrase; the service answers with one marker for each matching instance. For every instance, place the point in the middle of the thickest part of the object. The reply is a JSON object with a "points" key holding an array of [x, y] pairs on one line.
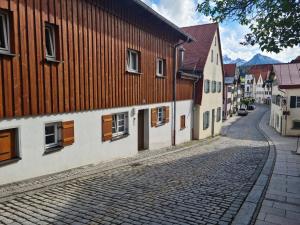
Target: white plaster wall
{"points": [[88, 147], [210, 101], [184, 108]]}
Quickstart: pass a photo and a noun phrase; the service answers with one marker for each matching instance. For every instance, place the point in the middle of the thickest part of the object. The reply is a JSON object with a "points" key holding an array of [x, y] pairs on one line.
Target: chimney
{"points": [[181, 56]]}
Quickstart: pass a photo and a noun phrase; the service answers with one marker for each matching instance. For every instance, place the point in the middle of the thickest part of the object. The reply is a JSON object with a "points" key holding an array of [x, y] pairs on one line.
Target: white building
{"points": [[285, 107]]}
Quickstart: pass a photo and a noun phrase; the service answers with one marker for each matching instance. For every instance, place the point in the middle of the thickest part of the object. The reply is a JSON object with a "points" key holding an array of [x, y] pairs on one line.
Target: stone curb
{"points": [[250, 208], [32, 187]]}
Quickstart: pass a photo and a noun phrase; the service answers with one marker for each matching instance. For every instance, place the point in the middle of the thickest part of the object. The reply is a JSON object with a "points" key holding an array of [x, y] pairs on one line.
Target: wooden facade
{"points": [[93, 38]]}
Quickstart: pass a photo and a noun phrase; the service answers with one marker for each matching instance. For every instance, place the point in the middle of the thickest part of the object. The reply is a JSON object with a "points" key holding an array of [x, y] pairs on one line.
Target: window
{"points": [[119, 124], [4, 32], [215, 41], [205, 120], [52, 135], [217, 59], [207, 86], [8, 144], [213, 86], [248, 89], [212, 55], [296, 124], [50, 35], [219, 114], [182, 122], [160, 115], [132, 61], [295, 102], [160, 67], [219, 87], [277, 121]]}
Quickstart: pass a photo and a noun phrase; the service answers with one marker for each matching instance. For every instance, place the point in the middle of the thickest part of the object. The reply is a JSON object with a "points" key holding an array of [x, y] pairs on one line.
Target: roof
{"points": [[287, 75], [229, 80], [297, 60], [184, 36], [229, 70], [197, 52], [263, 70]]}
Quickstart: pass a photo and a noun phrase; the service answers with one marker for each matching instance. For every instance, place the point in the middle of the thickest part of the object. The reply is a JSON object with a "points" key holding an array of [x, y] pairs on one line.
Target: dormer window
{"points": [[4, 32], [50, 35]]}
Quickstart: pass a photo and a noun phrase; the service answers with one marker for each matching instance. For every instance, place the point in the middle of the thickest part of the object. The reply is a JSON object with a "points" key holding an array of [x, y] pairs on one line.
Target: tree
{"points": [[274, 24]]}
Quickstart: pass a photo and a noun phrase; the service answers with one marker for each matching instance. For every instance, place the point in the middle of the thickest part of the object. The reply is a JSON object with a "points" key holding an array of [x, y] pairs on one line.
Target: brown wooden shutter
{"points": [[67, 133], [7, 145], [166, 114], [153, 117], [106, 127]]}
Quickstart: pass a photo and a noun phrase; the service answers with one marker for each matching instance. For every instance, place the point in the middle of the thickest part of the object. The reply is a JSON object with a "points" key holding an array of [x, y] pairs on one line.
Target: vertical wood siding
{"points": [[92, 50]]}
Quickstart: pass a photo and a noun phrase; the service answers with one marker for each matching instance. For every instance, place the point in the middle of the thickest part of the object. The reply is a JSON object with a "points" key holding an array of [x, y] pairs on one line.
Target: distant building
{"points": [[297, 60], [232, 91], [248, 86], [261, 88], [285, 107]]}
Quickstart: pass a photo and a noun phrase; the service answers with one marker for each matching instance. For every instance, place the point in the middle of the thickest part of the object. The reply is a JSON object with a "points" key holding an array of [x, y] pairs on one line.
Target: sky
{"points": [[183, 13]]}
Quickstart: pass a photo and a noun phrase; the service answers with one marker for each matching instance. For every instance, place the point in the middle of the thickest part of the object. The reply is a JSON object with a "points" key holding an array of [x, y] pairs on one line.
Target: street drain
{"points": [[136, 164]]}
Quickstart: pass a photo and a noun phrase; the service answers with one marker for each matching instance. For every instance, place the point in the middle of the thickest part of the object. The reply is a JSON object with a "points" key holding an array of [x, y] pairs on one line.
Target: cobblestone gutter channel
{"points": [[204, 184]]}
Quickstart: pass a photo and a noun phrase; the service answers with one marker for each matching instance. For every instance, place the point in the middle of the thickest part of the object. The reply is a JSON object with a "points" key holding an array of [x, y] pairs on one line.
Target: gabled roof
{"points": [[197, 52], [263, 70], [287, 75], [297, 60], [229, 70]]}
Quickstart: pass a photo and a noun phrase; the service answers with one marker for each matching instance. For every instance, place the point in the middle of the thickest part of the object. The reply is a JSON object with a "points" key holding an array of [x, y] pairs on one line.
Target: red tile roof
{"points": [[288, 75], [197, 52], [297, 60], [263, 70], [229, 70]]}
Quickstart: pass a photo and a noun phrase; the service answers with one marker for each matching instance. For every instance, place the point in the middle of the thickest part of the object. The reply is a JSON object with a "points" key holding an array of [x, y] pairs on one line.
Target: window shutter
{"points": [[106, 127], [153, 117], [293, 102], [67, 133], [7, 145], [166, 114]]}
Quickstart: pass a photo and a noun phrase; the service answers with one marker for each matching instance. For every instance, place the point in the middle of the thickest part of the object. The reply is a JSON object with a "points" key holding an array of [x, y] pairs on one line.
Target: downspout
{"points": [[194, 101], [174, 89]]}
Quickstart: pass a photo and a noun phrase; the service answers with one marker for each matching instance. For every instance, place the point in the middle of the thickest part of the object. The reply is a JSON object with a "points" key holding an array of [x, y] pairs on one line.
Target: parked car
{"points": [[242, 112], [251, 107]]}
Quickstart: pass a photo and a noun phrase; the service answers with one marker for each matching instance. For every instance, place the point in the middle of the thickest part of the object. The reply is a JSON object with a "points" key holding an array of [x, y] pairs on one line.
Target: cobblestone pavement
{"points": [[186, 187]]}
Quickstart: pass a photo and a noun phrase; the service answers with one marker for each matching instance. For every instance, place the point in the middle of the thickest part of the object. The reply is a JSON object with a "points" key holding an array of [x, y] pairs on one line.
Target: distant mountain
{"points": [[238, 61], [261, 59]]}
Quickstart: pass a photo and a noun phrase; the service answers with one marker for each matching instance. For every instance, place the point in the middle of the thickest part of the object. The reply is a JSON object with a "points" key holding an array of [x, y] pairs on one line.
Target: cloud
{"points": [[183, 13]]}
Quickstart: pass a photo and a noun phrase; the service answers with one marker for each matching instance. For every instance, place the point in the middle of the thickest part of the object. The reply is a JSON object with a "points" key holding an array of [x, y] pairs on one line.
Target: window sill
{"points": [[10, 161], [116, 138], [183, 128], [160, 124], [134, 72], [53, 150], [7, 54], [53, 61], [160, 76]]}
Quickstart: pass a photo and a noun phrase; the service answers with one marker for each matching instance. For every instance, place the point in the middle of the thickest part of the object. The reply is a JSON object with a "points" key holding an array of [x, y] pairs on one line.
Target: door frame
{"points": [[145, 127]]}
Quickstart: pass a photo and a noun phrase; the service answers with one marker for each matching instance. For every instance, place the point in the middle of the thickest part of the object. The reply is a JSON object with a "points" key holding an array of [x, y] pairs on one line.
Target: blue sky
{"points": [[183, 13]]}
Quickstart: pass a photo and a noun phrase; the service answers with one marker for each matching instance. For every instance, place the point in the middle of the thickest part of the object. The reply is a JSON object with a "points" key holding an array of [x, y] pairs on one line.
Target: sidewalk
{"points": [[281, 204]]}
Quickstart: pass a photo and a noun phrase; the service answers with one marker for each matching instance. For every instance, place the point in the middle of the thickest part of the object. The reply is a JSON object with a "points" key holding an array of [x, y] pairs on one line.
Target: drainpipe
{"points": [[174, 89], [194, 100]]}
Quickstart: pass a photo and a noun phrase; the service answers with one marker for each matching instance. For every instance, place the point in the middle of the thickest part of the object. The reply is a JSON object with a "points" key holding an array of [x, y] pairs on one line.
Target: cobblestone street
{"points": [[185, 187]]}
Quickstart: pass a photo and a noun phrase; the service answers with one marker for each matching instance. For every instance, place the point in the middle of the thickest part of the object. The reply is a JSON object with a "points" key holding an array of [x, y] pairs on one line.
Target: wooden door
{"points": [[7, 145], [141, 130]]}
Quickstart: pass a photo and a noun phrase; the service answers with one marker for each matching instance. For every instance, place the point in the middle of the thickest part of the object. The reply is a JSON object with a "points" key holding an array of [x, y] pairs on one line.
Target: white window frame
{"points": [[52, 40], [130, 54], [116, 124], [56, 134], [158, 73], [160, 115], [6, 32]]}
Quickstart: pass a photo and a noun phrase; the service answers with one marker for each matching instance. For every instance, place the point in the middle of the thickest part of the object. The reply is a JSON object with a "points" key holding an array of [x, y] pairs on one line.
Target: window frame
{"points": [[57, 135], [206, 120], [206, 86], [182, 122], [162, 74], [212, 56], [219, 114], [213, 86], [52, 31], [219, 88], [294, 124], [130, 52], [7, 30], [160, 116], [116, 126], [297, 103]]}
